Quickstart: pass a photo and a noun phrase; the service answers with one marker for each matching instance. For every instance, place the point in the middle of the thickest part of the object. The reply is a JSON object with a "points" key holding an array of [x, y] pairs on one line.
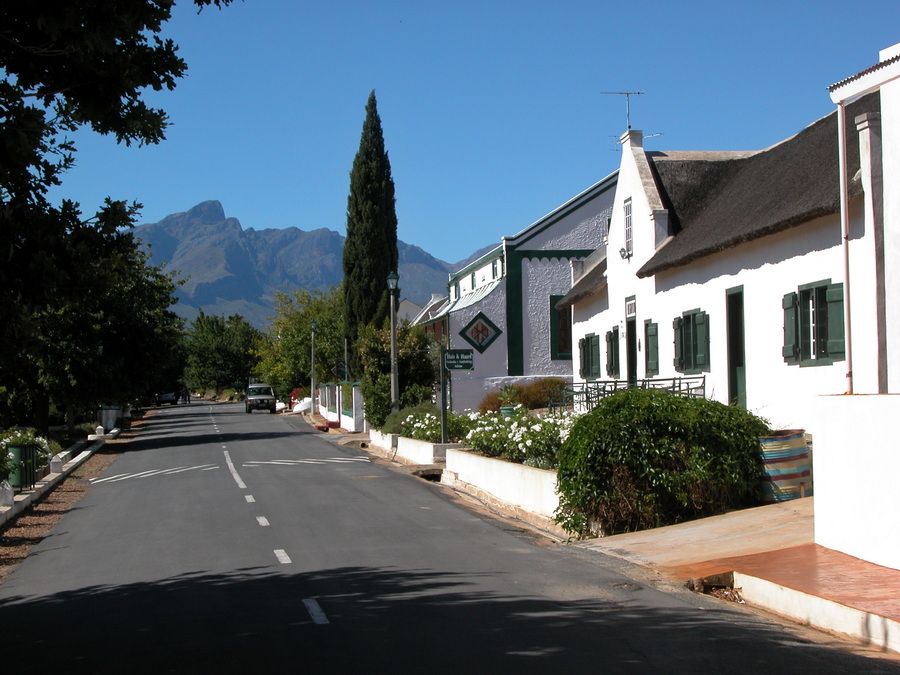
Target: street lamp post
{"points": [[312, 384], [392, 280]]}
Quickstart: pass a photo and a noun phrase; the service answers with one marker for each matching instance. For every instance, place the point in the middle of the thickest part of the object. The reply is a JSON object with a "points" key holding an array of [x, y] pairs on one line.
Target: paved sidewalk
{"points": [[777, 565]]}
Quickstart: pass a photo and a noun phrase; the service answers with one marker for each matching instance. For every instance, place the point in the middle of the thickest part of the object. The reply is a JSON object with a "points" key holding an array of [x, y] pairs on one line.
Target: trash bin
{"points": [[23, 471], [109, 415]]}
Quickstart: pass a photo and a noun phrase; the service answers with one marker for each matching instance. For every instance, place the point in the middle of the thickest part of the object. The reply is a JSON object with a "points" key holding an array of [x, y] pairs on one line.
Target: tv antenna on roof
{"points": [[627, 95]]}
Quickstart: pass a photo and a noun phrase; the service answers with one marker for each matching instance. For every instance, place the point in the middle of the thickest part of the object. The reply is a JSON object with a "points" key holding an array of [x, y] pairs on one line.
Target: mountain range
{"points": [[231, 270]]}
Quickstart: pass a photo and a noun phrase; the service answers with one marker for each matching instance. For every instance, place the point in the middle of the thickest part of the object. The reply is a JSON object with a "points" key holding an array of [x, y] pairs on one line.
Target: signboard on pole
{"points": [[459, 359]]}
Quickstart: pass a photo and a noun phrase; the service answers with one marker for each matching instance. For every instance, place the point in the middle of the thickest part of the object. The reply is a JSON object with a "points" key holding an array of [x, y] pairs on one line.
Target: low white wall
{"points": [[383, 441], [533, 490], [856, 463], [422, 452]]}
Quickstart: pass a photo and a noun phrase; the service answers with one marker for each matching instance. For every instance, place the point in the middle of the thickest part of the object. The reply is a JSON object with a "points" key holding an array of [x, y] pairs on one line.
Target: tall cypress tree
{"points": [[370, 250]]}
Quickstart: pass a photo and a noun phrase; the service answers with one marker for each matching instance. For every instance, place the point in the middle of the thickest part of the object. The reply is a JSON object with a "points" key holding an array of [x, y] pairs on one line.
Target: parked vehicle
{"points": [[169, 397], [259, 397]]}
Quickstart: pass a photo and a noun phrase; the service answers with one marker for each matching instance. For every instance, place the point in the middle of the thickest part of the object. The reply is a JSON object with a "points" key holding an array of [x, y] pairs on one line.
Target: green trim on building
{"points": [[515, 321]]}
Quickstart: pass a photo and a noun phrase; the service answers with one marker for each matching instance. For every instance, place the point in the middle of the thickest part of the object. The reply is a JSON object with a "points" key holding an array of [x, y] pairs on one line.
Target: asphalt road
{"points": [[222, 542]]}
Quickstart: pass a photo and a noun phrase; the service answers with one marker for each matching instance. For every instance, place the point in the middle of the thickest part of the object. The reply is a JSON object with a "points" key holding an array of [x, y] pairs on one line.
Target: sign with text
{"points": [[459, 359]]}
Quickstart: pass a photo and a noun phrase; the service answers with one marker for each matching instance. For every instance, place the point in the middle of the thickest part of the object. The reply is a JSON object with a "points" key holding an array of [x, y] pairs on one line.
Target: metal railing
{"points": [[587, 395]]}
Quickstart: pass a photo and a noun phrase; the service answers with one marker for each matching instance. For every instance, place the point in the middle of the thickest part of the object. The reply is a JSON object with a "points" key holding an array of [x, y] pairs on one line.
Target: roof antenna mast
{"points": [[627, 95]]}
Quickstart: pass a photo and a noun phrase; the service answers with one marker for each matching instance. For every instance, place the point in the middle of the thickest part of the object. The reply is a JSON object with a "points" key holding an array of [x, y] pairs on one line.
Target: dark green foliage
{"points": [[66, 66], [286, 355], [647, 458], [370, 250], [416, 365], [221, 353], [90, 341], [393, 423]]}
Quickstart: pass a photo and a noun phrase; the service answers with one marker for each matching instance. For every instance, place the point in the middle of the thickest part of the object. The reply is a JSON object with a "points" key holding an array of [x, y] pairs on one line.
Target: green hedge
{"points": [[648, 458]]}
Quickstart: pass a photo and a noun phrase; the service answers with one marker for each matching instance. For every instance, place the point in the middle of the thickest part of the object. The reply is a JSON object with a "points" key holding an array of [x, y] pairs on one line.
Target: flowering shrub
{"points": [[424, 427], [427, 427], [521, 437], [22, 437]]}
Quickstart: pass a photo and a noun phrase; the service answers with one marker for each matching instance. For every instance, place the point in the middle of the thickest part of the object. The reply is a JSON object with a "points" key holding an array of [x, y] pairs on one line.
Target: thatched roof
{"points": [[716, 204], [587, 285]]}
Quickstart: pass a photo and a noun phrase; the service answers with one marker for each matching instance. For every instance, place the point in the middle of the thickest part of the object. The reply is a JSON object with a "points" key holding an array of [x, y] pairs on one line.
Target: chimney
{"points": [[633, 138]]}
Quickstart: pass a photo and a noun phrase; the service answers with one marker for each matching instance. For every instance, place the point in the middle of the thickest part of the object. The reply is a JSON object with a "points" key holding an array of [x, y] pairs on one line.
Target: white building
{"points": [[729, 265], [503, 305], [734, 266]]}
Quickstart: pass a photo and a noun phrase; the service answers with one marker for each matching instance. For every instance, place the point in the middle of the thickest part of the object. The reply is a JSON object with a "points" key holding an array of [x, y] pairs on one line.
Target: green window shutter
{"points": [[595, 356], [583, 357], [678, 325], [701, 327], [615, 352], [791, 350], [834, 297], [651, 348], [609, 354]]}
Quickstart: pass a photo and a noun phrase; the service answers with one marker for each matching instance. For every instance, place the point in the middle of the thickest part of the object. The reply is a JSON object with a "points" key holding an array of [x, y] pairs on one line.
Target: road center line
{"points": [[283, 557], [250, 499], [315, 612], [234, 473], [263, 521]]}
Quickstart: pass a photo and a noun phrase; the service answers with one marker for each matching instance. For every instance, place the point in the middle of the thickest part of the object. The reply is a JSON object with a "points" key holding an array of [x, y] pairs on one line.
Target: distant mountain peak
{"points": [[207, 213], [230, 270]]}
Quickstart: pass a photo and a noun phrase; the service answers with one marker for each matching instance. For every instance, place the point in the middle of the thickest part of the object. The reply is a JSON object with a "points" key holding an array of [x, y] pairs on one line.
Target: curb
{"points": [[26, 498]]}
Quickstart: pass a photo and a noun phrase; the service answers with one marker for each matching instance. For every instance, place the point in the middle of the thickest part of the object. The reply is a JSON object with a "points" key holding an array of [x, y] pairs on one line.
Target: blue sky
{"points": [[492, 110]]}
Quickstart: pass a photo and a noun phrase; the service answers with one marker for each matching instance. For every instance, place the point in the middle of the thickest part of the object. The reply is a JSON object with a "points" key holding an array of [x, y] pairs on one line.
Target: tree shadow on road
{"points": [[388, 620]]}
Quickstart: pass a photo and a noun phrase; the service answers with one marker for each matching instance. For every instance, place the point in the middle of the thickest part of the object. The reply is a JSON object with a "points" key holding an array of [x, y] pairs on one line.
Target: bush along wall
{"points": [[648, 458]]}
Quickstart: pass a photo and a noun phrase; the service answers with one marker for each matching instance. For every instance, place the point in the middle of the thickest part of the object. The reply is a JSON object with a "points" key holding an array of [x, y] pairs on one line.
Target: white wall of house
{"points": [[855, 461], [890, 124], [766, 269], [856, 465]]}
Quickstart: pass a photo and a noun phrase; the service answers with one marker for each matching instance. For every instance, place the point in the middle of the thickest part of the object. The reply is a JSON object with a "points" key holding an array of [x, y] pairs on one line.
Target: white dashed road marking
{"points": [[283, 557], [234, 473], [315, 612], [262, 520]]}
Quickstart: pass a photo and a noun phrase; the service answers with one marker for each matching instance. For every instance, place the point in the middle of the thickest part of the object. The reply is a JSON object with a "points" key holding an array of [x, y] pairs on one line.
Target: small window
{"points": [[692, 342], [560, 331], [495, 269], [651, 348], [814, 324], [472, 281], [629, 240], [612, 353]]}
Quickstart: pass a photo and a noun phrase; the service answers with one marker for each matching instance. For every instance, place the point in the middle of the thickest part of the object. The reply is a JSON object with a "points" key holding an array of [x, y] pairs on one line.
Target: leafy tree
{"points": [[76, 356], [417, 368], [286, 354], [370, 250], [65, 66], [221, 353]]}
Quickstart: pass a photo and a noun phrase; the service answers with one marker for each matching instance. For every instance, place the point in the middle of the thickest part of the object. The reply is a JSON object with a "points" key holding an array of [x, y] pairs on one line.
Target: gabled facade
{"points": [[730, 266], [503, 305]]}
